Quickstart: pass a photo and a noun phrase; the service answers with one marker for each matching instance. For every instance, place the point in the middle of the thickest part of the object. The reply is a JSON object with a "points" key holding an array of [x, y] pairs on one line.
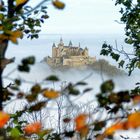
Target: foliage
{"points": [[131, 18], [18, 19]]}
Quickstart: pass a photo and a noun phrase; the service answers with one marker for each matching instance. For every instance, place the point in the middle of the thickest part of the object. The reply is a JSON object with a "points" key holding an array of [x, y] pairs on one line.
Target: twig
{"points": [[36, 7]]}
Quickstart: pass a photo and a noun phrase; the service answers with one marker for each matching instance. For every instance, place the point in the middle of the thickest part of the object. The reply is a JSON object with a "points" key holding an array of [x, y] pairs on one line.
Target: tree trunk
{"points": [[3, 47], [1, 90]]}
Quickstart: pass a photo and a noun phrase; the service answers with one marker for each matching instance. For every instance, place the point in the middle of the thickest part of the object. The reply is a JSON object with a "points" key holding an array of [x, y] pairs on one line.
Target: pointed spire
{"points": [[86, 48], [70, 43], [79, 45], [61, 40], [53, 45]]}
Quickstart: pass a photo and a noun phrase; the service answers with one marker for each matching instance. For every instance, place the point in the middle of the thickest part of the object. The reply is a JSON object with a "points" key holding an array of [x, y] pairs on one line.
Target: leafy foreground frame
{"points": [[122, 108]]}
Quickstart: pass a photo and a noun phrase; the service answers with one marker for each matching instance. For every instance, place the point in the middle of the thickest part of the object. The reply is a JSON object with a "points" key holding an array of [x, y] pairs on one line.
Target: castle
{"points": [[70, 56]]}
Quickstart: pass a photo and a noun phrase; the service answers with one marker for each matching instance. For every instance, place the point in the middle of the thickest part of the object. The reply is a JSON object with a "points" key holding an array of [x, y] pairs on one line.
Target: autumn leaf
{"points": [[51, 94], [84, 131], [33, 128], [3, 37], [11, 35], [66, 120], [58, 4], [1, 27], [80, 121], [112, 129], [13, 39], [20, 2], [133, 120], [81, 124], [136, 99], [17, 34], [37, 106], [4, 118]]}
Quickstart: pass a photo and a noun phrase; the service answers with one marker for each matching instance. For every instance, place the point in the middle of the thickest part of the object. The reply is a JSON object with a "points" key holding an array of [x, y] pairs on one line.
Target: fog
{"points": [[93, 77]]}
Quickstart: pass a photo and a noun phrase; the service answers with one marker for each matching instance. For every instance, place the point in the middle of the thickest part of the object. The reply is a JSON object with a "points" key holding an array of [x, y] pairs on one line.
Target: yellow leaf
{"points": [[51, 94], [13, 35], [17, 34], [58, 4], [13, 39], [19, 2]]}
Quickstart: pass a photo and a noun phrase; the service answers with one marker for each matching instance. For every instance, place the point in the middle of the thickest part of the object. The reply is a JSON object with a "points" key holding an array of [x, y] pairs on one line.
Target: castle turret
{"points": [[70, 44], [86, 52], [53, 45], [79, 45], [61, 44], [54, 50]]}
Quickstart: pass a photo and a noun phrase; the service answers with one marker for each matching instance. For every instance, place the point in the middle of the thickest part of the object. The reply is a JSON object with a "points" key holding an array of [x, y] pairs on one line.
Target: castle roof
{"points": [[70, 43], [53, 45], [61, 41]]}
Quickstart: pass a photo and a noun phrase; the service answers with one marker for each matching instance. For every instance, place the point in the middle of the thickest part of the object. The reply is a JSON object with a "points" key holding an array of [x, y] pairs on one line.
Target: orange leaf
{"points": [[4, 117], [81, 124], [84, 131], [33, 128], [51, 94], [13, 39], [133, 120], [111, 130], [136, 99], [80, 121]]}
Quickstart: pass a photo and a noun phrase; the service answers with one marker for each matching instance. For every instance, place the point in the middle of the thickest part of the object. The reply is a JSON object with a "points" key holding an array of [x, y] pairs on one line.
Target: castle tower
{"points": [[86, 52], [79, 45], [53, 45], [61, 44], [53, 50]]}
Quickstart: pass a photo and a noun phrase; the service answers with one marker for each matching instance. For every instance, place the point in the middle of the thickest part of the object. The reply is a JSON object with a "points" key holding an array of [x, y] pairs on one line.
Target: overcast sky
{"points": [[84, 16]]}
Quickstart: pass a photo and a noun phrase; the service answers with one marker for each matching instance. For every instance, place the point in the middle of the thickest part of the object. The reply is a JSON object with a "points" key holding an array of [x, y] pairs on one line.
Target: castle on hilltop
{"points": [[71, 56]]}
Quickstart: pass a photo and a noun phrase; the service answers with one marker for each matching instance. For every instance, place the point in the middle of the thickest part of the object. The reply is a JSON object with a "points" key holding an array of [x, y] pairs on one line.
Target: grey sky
{"points": [[84, 16]]}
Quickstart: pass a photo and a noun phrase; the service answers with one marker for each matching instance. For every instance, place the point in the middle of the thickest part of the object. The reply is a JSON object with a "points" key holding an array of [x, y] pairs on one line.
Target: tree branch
{"points": [[36, 7]]}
